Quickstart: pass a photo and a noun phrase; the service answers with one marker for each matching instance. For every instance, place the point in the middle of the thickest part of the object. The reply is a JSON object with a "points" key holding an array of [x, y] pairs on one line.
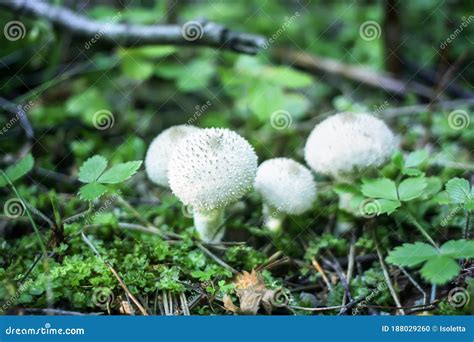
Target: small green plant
{"points": [[94, 174], [18, 170]]}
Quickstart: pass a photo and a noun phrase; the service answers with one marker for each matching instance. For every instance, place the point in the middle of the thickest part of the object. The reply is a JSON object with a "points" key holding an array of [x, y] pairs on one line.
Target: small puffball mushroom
{"points": [[287, 187], [159, 152], [208, 171], [347, 143]]}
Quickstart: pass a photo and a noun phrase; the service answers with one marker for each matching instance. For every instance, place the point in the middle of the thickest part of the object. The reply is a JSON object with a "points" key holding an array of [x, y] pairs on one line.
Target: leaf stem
{"points": [[421, 229]]}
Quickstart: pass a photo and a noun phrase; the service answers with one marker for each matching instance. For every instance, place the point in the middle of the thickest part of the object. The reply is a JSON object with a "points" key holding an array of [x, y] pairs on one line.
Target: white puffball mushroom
{"points": [[208, 171], [346, 143], [159, 152], [287, 188]]}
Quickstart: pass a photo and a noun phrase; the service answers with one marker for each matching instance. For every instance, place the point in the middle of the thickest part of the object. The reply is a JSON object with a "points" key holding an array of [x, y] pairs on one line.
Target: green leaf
{"points": [[91, 191], [92, 168], [416, 158], [387, 206], [380, 188], [411, 188], [18, 170], [120, 172], [440, 269], [137, 68], [459, 249], [459, 190], [286, 77], [397, 159], [412, 254], [412, 172]]}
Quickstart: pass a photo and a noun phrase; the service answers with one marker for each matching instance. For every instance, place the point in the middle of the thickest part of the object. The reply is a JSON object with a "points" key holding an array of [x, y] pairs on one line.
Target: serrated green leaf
{"points": [[440, 269], [91, 191], [416, 158], [388, 206], [380, 188], [411, 172], [459, 249], [459, 190], [120, 172], [411, 188], [18, 170], [412, 254], [92, 168]]}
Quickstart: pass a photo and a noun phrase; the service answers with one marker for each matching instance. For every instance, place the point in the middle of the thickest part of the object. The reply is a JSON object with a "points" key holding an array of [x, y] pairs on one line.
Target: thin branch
{"points": [[216, 259], [192, 33]]}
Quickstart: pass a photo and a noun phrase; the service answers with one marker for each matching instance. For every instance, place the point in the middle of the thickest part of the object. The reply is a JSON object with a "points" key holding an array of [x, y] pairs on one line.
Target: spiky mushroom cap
{"points": [[346, 143], [212, 168], [286, 185], [159, 152]]}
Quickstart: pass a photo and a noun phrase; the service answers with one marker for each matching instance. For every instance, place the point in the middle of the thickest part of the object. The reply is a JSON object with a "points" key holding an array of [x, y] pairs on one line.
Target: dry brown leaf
{"points": [[125, 308]]}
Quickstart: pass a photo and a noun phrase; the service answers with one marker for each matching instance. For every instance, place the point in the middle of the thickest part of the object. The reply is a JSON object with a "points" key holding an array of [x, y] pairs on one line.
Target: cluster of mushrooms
{"points": [[211, 168]]}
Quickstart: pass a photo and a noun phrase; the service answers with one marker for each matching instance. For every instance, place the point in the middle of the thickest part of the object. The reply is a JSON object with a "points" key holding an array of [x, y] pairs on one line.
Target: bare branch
{"points": [[196, 33]]}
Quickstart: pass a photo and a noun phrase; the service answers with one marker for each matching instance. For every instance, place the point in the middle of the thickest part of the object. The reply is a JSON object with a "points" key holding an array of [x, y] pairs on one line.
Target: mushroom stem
{"points": [[208, 224], [273, 218]]}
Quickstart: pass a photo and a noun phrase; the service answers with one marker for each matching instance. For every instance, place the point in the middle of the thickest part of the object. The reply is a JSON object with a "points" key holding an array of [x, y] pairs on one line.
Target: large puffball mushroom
{"points": [[208, 171], [159, 152], [287, 188], [346, 143]]}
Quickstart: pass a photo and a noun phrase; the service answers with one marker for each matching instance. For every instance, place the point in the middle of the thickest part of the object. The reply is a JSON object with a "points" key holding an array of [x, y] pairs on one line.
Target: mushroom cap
{"points": [[348, 142], [286, 185], [212, 168], [159, 152]]}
